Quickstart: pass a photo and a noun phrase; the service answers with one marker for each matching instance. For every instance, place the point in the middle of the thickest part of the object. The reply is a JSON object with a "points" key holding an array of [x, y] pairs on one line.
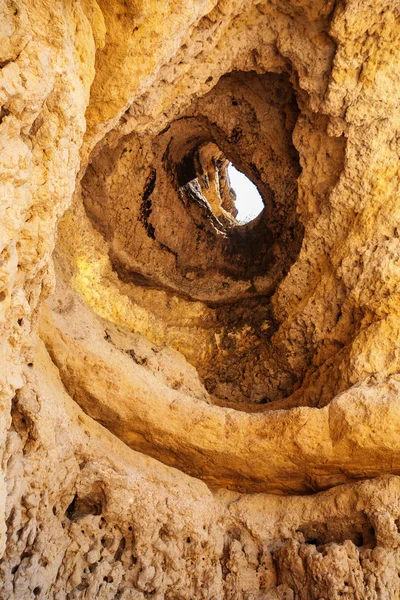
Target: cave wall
{"points": [[192, 407]]}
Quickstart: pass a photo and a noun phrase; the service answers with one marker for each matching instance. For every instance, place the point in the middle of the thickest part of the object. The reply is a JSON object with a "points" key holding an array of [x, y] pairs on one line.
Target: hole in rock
{"points": [[89, 505], [358, 531], [248, 202], [203, 179], [227, 160], [120, 549], [206, 177]]}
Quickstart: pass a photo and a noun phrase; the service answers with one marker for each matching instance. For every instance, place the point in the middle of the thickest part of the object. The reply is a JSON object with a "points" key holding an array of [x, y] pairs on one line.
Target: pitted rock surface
{"points": [[193, 407]]}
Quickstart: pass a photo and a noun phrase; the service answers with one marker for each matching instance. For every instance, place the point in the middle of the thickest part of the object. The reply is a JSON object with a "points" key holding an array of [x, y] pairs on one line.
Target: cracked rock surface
{"points": [[193, 407]]}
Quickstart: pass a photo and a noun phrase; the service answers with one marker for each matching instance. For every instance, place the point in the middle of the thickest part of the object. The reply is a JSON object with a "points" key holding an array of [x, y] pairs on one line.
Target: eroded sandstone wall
{"points": [[192, 407]]}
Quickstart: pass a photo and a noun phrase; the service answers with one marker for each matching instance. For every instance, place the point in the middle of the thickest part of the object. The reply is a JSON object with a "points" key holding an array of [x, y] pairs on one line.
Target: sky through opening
{"points": [[248, 200]]}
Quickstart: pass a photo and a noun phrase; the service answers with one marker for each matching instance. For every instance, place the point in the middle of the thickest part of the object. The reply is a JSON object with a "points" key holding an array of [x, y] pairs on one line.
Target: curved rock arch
{"points": [[184, 363]]}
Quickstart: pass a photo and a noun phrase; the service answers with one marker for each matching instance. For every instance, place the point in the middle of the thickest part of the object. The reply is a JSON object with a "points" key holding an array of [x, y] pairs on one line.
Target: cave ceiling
{"points": [[157, 348]]}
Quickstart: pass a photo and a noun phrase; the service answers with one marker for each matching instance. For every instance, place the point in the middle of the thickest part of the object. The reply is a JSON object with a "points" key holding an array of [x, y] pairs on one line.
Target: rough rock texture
{"points": [[191, 407]]}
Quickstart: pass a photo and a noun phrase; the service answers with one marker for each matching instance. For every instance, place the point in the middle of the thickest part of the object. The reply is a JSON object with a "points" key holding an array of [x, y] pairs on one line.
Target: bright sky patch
{"points": [[248, 200]]}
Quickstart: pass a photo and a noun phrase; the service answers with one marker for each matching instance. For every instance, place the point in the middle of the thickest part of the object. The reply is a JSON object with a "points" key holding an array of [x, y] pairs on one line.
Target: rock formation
{"points": [[193, 408]]}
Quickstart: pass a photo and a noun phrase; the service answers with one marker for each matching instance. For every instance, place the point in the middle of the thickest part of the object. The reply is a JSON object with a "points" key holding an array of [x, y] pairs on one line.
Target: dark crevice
{"points": [[146, 205], [87, 505], [4, 112]]}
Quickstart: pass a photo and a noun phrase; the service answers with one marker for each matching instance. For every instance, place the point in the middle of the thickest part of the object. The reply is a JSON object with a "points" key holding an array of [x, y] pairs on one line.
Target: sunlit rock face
{"points": [[193, 405]]}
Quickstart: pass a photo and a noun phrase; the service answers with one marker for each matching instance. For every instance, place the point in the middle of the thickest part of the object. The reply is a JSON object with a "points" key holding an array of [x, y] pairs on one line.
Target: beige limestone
{"points": [[171, 381]]}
